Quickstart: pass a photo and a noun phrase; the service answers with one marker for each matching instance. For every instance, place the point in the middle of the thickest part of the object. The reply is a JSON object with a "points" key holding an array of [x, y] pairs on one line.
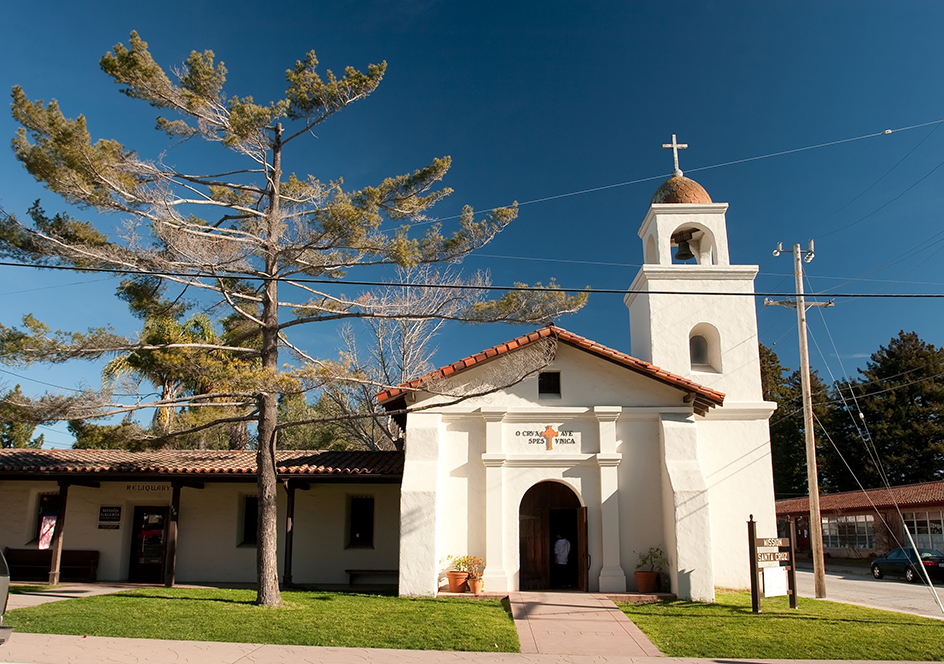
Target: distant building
{"points": [[861, 523]]}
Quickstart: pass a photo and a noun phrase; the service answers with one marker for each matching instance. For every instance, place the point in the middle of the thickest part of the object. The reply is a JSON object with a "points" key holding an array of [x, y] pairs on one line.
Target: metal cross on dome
{"points": [[675, 146]]}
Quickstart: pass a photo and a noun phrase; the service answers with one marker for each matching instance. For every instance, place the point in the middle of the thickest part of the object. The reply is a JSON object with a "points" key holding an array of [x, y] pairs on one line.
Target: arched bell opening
{"points": [[693, 242], [550, 509]]}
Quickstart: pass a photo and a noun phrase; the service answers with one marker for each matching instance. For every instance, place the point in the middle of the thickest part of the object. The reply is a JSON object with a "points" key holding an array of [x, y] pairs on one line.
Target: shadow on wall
{"points": [[684, 583]]}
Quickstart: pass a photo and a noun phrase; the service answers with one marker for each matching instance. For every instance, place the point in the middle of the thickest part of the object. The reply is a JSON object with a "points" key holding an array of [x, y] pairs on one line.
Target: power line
{"points": [[745, 160], [535, 289]]}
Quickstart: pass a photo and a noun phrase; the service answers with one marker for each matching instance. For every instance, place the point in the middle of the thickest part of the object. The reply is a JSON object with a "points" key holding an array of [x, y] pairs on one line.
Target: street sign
{"points": [[770, 557], [778, 580]]}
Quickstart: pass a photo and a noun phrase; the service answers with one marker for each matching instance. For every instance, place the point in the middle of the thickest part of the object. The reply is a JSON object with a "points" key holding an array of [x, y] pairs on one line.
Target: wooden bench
{"points": [[33, 564], [354, 573]]}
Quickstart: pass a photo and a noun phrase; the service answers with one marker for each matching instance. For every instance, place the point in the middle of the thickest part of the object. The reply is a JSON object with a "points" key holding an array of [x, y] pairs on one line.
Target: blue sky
{"points": [[538, 99]]}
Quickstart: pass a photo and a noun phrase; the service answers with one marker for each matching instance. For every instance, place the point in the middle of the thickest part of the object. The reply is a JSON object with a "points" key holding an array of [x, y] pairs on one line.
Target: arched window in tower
{"points": [[698, 347], [704, 348], [651, 250]]}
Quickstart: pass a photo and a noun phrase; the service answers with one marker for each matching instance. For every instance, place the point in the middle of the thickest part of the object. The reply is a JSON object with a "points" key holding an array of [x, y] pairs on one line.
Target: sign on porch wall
{"points": [[109, 517], [148, 488], [539, 437]]}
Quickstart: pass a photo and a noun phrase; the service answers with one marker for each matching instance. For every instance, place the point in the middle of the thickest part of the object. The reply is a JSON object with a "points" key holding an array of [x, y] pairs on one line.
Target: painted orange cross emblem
{"points": [[549, 434]]}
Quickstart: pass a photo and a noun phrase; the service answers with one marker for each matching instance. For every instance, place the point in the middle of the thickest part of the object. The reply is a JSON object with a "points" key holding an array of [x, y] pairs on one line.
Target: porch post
{"points": [[289, 532], [170, 563], [57, 534]]}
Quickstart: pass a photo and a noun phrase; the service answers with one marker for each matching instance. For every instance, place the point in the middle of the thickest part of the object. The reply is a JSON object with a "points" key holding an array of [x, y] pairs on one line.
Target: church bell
{"points": [[684, 253]]}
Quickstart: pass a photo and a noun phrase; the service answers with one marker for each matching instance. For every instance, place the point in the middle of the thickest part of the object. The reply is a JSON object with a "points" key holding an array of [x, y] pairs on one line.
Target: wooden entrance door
{"points": [[549, 509], [148, 545]]}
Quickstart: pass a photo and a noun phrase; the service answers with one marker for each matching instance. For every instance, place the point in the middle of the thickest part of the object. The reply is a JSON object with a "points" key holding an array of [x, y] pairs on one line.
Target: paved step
{"points": [[551, 623]]}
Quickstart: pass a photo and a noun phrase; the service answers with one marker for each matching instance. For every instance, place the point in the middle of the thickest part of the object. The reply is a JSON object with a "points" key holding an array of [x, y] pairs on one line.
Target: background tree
{"points": [[15, 428], [391, 351], [265, 245], [787, 429], [899, 436]]}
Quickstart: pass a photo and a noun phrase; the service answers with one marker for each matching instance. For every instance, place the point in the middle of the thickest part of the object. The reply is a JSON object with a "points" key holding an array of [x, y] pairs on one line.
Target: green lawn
{"points": [[816, 630], [305, 618]]}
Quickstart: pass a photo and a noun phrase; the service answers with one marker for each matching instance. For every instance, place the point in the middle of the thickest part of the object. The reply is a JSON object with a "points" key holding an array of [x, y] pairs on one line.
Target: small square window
{"points": [[549, 384], [360, 522]]}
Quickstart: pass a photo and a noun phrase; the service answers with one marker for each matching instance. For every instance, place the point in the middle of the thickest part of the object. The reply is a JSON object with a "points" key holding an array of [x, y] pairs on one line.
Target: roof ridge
{"points": [[704, 397]]}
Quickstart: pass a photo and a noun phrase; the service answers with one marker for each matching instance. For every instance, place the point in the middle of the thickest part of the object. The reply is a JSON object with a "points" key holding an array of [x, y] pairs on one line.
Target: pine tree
{"points": [[899, 436], [15, 429], [264, 244]]}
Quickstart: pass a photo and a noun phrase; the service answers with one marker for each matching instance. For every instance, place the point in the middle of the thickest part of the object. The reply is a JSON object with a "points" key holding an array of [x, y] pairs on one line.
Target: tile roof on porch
{"points": [[704, 397], [910, 496], [200, 464]]}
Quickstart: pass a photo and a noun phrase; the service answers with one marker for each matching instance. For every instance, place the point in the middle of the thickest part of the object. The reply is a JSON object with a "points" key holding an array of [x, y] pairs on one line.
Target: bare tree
{"points": [[267, 246]]}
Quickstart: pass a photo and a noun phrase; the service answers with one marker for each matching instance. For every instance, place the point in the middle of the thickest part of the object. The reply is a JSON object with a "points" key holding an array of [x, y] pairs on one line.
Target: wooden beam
{"points": [[289, 532], [56, 562], [170, 562]]}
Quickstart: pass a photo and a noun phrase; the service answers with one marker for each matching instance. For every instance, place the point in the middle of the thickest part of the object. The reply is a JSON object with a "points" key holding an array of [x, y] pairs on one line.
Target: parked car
{"points": [[904, 562], [4, 593]]}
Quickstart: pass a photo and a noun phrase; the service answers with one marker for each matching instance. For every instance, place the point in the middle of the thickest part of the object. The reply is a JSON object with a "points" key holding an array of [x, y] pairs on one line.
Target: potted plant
{"points": [[647, 571], [458, 575], [475, 566]]}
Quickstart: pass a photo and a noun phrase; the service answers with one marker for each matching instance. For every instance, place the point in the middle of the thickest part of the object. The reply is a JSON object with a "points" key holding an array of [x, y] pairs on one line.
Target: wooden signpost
{"points": [[773, 575]]}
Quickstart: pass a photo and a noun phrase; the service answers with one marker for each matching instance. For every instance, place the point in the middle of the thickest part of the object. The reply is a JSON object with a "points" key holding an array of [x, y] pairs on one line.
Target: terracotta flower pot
{"points": [[475, 586], [457, 581], [646, 581]]}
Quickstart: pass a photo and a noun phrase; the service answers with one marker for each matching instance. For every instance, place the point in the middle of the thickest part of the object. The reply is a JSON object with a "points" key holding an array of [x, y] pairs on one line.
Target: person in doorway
{"points": [[561, 557]]}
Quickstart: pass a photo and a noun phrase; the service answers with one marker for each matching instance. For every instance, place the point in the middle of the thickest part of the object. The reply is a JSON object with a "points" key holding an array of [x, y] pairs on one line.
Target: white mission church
{"points": [[667, 446]]}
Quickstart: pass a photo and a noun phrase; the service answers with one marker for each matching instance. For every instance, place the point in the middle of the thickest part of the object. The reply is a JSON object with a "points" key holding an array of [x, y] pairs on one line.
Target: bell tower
{"points": [[694, 313]]}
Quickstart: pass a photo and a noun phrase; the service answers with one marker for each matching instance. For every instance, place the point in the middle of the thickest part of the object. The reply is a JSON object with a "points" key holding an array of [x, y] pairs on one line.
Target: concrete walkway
{"points": [[51, 649], [43, 595], [551, 623]]}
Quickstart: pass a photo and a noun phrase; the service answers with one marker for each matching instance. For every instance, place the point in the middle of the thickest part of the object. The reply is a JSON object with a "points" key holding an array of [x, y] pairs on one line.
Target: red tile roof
{"points": [[909, 495], [197, 463], [704, 397]]}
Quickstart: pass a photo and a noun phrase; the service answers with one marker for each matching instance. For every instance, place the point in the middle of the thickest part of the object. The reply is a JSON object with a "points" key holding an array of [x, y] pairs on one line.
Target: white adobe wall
{"points": [[209, 529], [660, 324], [453, 447], [18, 518], [739, 477], [320, 553]]}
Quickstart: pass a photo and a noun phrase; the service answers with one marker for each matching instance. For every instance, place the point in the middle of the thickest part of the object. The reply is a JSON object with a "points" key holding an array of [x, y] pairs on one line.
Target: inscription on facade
{"points": [[548, 437]]}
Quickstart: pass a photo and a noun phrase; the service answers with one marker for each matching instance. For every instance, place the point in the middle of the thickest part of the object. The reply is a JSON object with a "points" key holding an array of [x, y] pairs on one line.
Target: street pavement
{"points": [[855, 586], [50, 649]]}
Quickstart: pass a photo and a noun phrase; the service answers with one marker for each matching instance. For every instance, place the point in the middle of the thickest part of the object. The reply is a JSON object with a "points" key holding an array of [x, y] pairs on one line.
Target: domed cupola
{"points": [[680, 189]]}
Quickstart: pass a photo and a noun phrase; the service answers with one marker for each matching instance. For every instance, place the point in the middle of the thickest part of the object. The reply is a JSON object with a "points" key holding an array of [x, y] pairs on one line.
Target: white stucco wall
{"points": [[209, 545], [469, 465]]}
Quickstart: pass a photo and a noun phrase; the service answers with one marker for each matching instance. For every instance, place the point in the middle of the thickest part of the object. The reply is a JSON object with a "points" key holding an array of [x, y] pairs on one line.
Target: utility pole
{"points": [[816, 524]]}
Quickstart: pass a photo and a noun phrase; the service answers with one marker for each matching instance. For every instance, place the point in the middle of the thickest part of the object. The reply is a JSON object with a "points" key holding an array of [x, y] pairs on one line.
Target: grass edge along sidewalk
{"points": [[305, 618], [818, 629]]}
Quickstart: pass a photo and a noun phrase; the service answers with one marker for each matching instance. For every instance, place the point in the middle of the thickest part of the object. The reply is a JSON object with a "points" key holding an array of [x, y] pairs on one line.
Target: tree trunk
{"points": [[266, 478]]}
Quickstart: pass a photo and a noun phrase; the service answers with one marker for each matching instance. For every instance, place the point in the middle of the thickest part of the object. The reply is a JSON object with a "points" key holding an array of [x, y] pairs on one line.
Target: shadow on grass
{"points": [[35, 590], [184, 598]]}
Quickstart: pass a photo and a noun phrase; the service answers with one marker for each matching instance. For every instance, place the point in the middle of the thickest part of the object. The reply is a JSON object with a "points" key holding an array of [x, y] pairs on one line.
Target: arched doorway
{"points": [[549, 509]]}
